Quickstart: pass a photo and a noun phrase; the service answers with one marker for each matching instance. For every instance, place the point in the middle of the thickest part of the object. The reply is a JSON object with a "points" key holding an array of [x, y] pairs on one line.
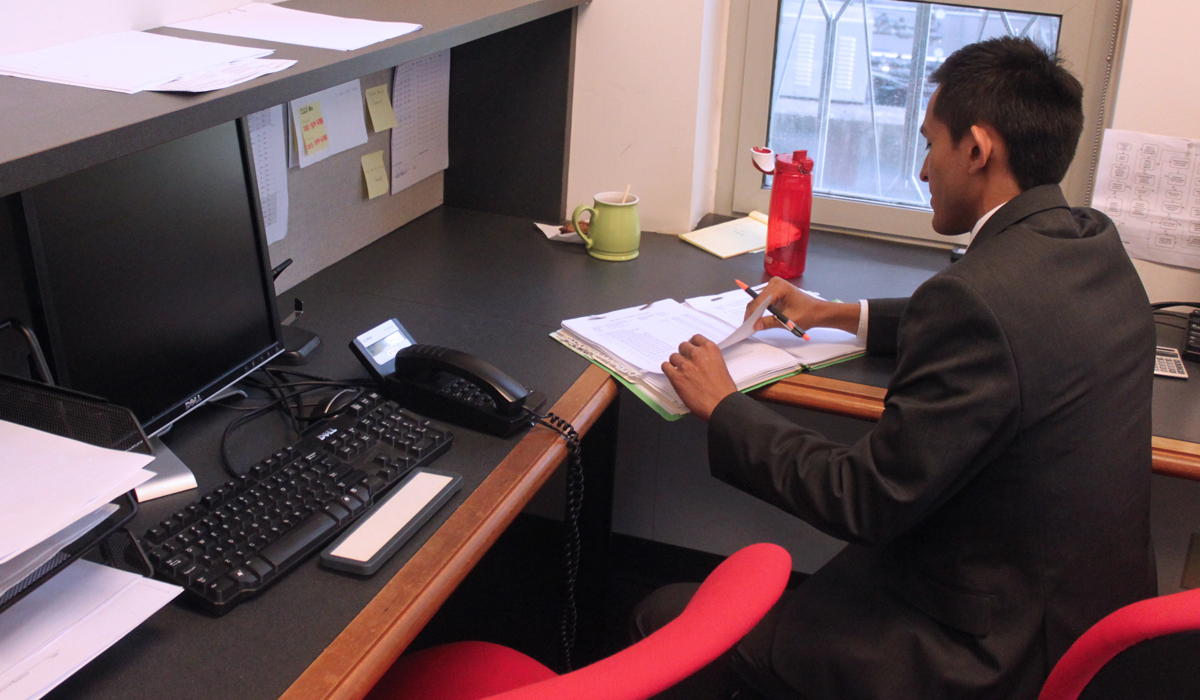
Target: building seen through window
{"points": [[850, 86]]}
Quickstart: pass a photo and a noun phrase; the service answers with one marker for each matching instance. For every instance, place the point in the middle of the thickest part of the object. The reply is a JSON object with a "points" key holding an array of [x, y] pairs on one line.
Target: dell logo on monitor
{"points": [[192, 402]]}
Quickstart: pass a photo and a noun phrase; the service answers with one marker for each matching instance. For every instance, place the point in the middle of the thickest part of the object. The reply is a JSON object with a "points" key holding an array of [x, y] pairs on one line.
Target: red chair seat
{"points": [[459, 671]]}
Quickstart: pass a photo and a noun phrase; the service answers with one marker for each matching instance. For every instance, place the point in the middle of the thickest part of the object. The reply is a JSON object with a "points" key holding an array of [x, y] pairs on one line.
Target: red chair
{"points": [[1149, 649], [728, 604]]}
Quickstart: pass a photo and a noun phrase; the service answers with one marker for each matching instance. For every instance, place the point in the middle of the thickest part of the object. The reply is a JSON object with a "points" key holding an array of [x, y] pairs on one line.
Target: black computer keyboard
{"points": [[243, 535]]}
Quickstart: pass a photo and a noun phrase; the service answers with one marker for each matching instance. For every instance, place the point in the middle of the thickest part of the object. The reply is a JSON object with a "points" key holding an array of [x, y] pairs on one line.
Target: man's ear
{"points": [[982, 148]]}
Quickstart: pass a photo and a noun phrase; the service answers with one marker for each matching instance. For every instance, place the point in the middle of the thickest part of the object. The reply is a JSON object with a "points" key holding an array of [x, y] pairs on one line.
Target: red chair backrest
{"points": [[1137, 622], [733, 598]]}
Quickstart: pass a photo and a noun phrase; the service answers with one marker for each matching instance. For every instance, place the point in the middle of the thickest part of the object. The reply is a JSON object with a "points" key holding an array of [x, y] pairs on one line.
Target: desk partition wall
{"points": [[510, 96], [12, 287]]}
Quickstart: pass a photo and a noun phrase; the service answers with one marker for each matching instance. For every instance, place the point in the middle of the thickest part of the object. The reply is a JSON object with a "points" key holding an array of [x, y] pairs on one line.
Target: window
{"points": [[847, 80]]}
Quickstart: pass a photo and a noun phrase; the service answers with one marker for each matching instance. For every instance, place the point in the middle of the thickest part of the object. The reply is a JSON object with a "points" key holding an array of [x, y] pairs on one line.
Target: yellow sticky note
{"points": [[380, 107], [312, 128], [376, 174]]}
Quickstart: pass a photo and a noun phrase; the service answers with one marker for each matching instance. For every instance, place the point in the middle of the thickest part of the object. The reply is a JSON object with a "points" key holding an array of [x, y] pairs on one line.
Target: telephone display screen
{"points": [[377, 347], [384, 351]]}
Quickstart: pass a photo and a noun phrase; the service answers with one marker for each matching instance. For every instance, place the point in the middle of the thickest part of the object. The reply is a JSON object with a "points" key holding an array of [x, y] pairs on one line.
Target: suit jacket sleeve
{"points": [[952, 407], [883, 322]]}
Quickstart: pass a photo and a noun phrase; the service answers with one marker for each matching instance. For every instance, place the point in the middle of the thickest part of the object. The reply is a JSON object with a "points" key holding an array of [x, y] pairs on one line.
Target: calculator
{"points": [[1168, 363]]}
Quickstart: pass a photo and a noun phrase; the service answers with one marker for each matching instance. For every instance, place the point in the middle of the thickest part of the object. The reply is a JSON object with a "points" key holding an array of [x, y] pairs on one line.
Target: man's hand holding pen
{"points": [[804, 310], [698, 372]]}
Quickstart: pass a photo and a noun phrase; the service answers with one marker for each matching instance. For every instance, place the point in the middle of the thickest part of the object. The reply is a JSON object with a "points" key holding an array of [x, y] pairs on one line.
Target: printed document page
{"points": [[225, 76], [48, 482], [645, 336], [421, 102], [825, 344], [268, 132], [68, 621], [280, 24], [328, 122], [1150, 187], [126, 62]]}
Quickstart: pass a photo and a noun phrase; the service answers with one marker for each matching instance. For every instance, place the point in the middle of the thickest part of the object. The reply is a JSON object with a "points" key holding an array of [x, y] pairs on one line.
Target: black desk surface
{"points": [[490, 285]]}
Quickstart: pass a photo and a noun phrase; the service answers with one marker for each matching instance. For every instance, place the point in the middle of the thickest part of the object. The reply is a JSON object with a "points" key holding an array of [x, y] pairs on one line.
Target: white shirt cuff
{"points": [[861, 335]]}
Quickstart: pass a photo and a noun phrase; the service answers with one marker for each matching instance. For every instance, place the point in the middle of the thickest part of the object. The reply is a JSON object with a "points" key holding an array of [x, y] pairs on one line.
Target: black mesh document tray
{"points": [[96, 422]]}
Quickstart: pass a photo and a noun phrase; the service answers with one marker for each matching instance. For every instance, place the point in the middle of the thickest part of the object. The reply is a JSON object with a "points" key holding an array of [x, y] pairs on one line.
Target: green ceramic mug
{"points": [[614, 231]]}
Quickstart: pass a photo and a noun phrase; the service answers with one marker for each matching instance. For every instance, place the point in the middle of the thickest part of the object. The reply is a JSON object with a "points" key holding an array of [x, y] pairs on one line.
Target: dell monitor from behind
{"points": [[153, 277]]}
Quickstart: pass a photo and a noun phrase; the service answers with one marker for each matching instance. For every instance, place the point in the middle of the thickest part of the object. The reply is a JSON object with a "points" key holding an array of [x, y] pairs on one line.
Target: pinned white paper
{"points": [[421, 101], [341, 109]]}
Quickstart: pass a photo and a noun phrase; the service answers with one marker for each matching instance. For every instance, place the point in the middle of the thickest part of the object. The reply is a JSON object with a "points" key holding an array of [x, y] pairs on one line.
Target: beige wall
{"points": [[646, 106], [1159, 93]]}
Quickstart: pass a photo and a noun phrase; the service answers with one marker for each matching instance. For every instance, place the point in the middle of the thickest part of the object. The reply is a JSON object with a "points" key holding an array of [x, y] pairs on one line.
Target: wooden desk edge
{"points": [[351, 665], [1170, 457]]}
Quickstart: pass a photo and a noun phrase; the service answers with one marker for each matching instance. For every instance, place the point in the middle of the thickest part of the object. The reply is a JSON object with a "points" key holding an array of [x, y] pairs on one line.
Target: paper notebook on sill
{"points": [[745, 235], [633, 343]]}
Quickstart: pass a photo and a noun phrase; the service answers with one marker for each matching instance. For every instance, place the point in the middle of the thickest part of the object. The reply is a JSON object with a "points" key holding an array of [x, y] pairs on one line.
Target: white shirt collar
{"points": [[979, 224]]}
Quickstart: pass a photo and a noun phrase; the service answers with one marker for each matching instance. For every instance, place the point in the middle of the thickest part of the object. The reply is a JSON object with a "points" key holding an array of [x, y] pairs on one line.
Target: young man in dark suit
{"points": [[1001, 505]]}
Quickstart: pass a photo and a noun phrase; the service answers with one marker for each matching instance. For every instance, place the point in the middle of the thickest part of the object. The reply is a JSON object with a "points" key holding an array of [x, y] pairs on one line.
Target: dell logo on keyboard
{"points": [[326, 434]]}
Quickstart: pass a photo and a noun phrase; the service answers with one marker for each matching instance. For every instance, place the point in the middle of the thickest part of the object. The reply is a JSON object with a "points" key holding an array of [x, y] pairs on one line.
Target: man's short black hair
{"points": [[1023, 93]]}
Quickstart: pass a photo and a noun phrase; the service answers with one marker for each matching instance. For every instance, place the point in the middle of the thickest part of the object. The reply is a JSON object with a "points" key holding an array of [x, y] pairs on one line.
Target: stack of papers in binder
{"points": [[130, 62], [632, 344], [52, 491], [72, 618]]}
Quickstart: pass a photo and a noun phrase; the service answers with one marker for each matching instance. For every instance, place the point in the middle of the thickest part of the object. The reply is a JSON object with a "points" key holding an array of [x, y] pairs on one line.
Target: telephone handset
{"points": [[445, 384]]}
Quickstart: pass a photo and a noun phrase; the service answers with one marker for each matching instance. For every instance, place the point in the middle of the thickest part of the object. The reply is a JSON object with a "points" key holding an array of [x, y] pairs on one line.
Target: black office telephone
{"points": [[445, 384]]}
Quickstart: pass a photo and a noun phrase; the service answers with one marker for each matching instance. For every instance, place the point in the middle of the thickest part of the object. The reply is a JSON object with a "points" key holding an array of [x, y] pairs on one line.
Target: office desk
{"points": [[493, 286], [487, 284]]}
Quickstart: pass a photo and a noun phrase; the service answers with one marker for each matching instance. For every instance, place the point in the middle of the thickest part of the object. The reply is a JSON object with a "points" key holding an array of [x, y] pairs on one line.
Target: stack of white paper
{"points": [[826, 345], [287, 26], [128, 62], [644, 337], [55, 630], [225, 76], [49, 488], [633, 343]]}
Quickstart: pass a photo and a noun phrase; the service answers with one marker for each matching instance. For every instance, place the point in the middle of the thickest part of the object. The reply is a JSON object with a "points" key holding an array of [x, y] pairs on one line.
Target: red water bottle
{"points": [[791, 212]]}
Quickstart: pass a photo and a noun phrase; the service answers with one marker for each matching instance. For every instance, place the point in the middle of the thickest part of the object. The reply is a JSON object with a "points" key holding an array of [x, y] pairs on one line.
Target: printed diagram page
{"points": [[1150, 187], [421, 102]]}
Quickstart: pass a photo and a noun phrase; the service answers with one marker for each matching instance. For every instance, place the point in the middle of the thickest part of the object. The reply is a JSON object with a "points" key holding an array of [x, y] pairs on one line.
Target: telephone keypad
{"points": [[465, 391]]}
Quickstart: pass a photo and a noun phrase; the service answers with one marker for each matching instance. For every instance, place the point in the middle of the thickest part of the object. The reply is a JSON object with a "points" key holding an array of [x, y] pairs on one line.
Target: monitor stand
{"points": [[171, 474]]}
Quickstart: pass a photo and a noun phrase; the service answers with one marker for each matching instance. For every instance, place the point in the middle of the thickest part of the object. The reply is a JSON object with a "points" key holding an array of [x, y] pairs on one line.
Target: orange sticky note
{"points": [[375, 173], [312, 128]]}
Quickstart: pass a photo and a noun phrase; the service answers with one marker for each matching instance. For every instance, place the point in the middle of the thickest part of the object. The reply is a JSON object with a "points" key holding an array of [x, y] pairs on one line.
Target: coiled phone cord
{"points": [[568, 624]]}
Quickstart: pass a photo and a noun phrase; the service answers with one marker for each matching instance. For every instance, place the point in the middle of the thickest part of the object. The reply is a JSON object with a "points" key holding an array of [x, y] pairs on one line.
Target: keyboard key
{"points": [[293, 544]]}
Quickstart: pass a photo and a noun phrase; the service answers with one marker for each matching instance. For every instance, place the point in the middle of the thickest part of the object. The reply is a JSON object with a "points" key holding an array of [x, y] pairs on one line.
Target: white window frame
{"points": [[1088, 38]]}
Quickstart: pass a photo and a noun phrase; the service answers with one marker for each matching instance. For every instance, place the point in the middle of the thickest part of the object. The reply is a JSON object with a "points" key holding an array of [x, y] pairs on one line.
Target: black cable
{"points": [[288, 396], [569, 623], [225, 461]]}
